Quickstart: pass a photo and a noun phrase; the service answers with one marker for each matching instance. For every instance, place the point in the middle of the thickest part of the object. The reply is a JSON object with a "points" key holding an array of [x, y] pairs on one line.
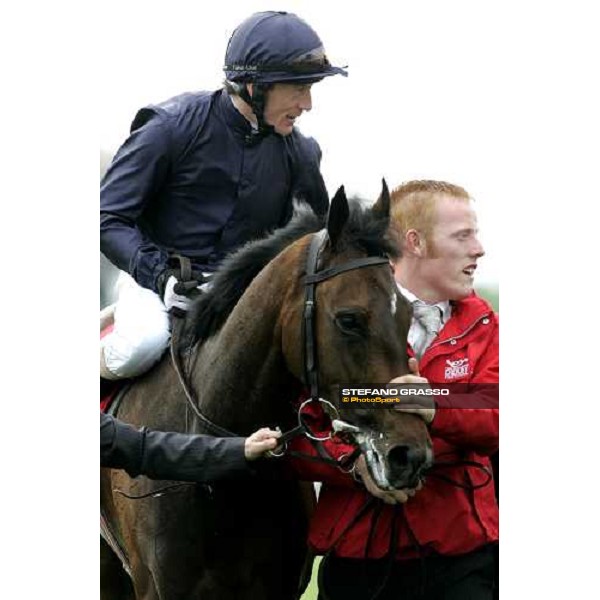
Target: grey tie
{"points": [[430, 318]]}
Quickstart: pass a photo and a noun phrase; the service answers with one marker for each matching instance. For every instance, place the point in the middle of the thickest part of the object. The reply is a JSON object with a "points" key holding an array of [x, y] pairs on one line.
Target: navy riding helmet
{"points": [[275, 47]]}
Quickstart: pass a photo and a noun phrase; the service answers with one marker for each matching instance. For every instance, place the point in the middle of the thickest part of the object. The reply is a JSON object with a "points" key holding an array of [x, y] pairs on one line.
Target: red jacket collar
{"points": [[467, 311]]}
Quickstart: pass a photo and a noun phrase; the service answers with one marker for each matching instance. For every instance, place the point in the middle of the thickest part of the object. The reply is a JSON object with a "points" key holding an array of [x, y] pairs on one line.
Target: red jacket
{"points": [[447, 519]]}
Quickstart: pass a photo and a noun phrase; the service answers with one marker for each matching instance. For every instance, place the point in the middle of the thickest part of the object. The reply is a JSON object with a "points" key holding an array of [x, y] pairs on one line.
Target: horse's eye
{"points": [[352, 323]]}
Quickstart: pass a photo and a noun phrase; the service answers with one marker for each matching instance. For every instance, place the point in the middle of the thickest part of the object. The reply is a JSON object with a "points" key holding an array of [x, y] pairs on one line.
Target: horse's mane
{"points": [[211, 310], [365, 228]]}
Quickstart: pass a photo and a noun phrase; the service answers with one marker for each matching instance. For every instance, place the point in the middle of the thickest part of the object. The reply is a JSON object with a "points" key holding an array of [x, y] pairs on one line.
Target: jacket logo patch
{"points": [[456, 368]]}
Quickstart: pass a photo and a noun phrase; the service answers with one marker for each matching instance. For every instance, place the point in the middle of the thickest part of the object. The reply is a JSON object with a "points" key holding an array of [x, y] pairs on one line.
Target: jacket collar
{"points": [[232, 117], [444, 306], [465, 313], [470, 309]]}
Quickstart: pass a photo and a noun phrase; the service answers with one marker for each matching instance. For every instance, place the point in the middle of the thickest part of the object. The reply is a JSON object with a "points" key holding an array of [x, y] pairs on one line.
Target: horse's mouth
{"points": [[375, 448], [377, 469], [373, 457]]}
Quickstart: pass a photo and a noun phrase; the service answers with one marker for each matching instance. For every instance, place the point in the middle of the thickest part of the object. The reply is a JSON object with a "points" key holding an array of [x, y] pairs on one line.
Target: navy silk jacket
{"points": [[188, 181]]}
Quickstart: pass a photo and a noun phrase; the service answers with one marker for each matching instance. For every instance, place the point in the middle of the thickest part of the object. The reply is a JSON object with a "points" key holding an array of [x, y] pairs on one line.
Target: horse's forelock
{"points": [[369, 229]]}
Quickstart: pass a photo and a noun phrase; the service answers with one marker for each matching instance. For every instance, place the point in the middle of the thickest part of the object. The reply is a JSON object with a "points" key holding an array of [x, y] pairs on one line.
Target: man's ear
{"points": [[415, 243], [250, 88]]}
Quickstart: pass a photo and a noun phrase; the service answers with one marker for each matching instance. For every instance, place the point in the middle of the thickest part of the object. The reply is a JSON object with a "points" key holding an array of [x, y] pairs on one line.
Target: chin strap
{"points": [[257, 102]]}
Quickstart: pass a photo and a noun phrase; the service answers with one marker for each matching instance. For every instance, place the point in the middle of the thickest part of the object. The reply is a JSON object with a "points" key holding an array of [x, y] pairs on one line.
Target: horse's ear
{"points": [[338, 215], [382, 206]]}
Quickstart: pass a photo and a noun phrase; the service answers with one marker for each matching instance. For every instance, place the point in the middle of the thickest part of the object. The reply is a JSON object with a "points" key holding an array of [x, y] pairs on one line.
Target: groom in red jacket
{"points": [[436, 542]]}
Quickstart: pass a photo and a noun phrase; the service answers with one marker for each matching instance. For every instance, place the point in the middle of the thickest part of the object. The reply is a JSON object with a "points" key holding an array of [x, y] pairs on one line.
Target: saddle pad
{"points": [[108, 392]]}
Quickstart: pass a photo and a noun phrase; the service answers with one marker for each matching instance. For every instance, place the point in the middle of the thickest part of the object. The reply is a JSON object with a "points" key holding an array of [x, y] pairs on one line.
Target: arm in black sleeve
{"points": [[136, 174], [177, 456]]}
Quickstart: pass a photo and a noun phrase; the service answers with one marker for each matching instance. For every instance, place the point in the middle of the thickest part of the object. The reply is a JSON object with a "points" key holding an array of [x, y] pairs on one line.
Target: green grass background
{"points": [[491, 294], [312, 590]]}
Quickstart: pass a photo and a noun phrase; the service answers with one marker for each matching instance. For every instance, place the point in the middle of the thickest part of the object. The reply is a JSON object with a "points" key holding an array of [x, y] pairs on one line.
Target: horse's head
{"points": [[357, 335]]}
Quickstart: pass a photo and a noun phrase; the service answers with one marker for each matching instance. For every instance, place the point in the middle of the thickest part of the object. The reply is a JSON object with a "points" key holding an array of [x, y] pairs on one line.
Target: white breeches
{"points": [[141, 330]]}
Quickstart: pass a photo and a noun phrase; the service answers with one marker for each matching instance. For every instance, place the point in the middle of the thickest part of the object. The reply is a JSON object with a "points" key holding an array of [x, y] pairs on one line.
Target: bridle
{"points": [[312, 278]]}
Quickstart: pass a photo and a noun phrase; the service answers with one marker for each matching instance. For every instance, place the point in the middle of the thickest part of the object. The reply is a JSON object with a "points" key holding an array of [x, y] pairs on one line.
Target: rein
{"points": [[211, 426], [189, 394]]}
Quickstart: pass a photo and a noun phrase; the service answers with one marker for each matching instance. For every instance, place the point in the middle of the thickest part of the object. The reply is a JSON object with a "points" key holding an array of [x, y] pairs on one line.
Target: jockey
{"points": [[205, 172]]}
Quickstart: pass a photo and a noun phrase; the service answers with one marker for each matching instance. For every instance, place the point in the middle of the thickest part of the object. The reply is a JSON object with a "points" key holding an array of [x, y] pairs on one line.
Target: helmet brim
{"points": [[284, 76]]}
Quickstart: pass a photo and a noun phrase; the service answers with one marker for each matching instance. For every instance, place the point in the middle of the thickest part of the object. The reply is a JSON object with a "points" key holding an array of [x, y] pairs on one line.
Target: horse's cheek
{"points": [[291, 346]]}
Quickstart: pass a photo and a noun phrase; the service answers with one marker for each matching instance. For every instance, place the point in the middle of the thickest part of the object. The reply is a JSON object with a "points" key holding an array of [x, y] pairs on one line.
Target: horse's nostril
{"points": [[399, 456], [403, 456]]}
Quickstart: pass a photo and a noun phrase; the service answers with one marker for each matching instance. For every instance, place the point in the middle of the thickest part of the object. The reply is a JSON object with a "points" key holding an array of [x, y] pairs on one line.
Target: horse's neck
{"points": [[240, 370]]}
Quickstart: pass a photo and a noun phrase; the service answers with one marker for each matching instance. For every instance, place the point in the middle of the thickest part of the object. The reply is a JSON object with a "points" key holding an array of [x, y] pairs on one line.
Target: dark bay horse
{"points": [[246, 341]]}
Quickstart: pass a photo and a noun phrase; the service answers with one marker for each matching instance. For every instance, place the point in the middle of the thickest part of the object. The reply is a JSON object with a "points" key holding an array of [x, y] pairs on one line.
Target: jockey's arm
{"points": [[137, 171]]}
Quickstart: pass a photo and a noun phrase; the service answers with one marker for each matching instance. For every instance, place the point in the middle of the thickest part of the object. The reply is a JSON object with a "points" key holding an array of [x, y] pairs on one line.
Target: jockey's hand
{"points": [[171, 298], [424, 406], [174, 292], [389, 497], [260, 442]]}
